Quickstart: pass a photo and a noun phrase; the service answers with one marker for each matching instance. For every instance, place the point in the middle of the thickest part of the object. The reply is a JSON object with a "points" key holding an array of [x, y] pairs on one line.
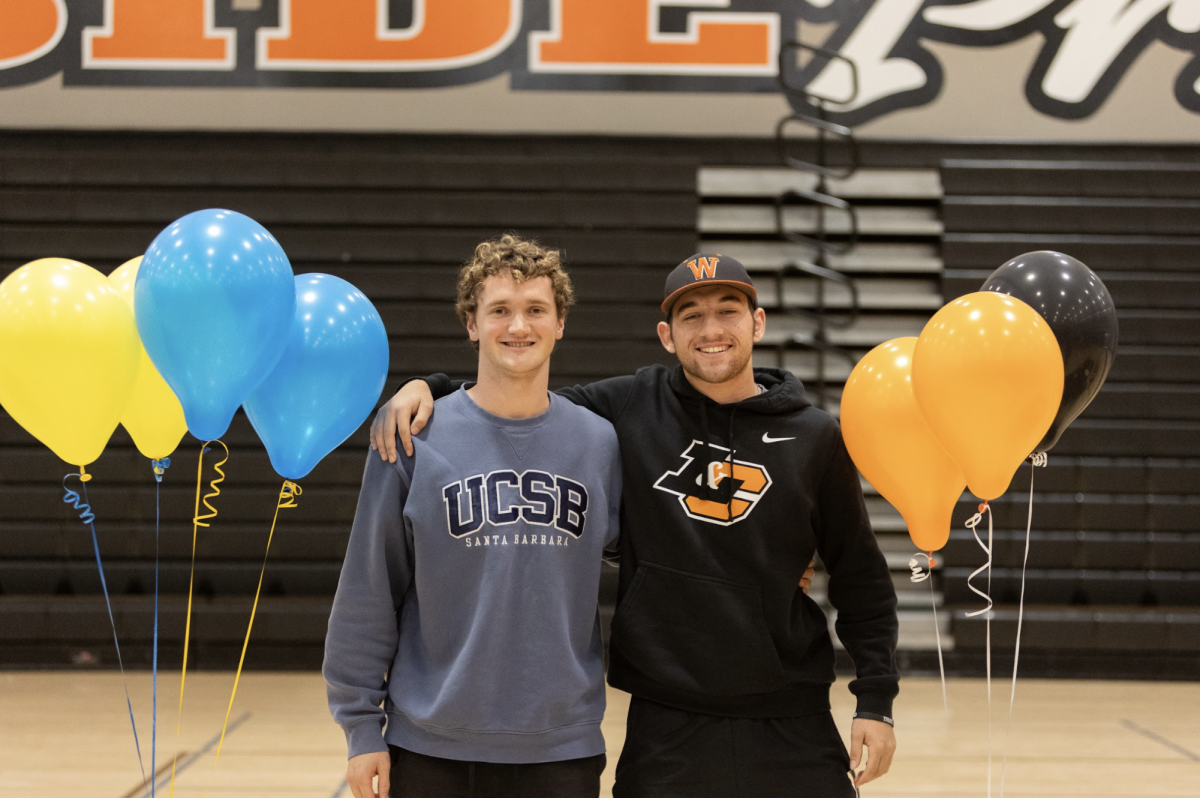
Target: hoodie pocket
{"points": [[697, 633]]}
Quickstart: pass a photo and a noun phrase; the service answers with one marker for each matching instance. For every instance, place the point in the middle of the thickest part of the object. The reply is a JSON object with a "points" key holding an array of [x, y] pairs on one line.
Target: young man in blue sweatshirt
{"points": [[467, 605], [732, 480]]}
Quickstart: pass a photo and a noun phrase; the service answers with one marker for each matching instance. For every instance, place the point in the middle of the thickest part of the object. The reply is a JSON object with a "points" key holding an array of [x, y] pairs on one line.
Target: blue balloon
{"points": [[215, 303], [328, 380]]}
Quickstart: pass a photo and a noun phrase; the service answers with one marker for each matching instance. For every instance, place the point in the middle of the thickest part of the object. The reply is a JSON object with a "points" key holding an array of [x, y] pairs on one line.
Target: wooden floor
{"points": [[68, 733]]}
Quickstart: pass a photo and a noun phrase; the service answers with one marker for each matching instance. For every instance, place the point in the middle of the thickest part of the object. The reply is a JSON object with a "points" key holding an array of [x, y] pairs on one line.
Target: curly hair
{"points": [[524, 260]]}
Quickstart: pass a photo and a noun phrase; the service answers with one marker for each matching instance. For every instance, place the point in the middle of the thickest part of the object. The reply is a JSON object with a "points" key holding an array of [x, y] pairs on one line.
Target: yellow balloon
{"points": [[154, 416], [68, 355], [893, 446], [988, 377]]}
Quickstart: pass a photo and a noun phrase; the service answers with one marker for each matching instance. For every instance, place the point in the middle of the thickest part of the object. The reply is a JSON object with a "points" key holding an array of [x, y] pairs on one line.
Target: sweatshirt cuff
{"points": [[875, 704], [365, 737]]}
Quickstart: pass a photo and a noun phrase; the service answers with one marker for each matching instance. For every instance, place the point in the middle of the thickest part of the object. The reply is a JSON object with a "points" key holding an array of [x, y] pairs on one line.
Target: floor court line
{"points": [[191, 760], [158, 774], [1158, 738]]}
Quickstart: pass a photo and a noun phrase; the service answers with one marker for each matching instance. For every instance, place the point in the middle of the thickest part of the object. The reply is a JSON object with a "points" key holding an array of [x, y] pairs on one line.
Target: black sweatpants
{"points": [[418, 776], [670, 753]]}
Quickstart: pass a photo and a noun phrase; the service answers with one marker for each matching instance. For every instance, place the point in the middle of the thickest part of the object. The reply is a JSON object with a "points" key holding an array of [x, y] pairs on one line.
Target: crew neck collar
{"points": [[479, 414]]}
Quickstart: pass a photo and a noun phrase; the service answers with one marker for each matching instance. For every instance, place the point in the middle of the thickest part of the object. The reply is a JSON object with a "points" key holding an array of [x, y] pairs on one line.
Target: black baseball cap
{"points": [[704, 269]]}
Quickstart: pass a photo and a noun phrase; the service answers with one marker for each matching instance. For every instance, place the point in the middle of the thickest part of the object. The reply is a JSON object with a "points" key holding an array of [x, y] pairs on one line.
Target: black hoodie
{"points": [[710, 617]]}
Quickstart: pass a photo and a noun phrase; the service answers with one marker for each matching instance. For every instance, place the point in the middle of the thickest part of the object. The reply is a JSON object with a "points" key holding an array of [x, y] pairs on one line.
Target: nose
{"points": [[712, 325], [519, 324]]}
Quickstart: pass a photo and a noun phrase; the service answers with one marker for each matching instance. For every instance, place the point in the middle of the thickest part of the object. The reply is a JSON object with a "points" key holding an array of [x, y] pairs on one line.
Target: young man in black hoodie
{"points": [[732, 480]]}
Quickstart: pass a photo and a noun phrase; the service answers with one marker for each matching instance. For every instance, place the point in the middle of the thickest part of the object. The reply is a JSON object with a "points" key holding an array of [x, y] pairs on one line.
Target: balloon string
{"points": [[160, 467], [925, 575], [197, 522], [1037, 461], [973, 524], [88, 517], [287, 498]]}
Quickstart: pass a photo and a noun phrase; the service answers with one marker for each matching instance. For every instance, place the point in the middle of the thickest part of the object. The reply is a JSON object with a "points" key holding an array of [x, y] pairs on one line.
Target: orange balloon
{"points": [[893, 446], [988, 376]]}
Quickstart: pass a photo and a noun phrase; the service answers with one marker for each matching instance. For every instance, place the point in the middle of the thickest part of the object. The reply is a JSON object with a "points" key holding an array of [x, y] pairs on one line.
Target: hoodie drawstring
{"points": [[704, 489], [705, 486], [729, 479]]}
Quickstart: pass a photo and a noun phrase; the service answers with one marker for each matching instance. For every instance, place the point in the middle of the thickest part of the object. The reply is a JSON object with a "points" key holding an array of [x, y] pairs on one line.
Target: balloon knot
{"points": [[920, 574], [288, 494], [983, 507], [160, 466], [84, 476]]}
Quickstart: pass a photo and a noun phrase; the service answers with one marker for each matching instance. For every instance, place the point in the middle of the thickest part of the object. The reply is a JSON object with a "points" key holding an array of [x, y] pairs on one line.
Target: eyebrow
{"points": [[504, 302], [732, 296]]}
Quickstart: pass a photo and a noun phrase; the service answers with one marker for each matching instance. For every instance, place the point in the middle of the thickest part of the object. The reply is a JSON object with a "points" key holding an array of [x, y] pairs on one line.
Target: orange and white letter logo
{"points": [[703, 267], [30, 29], [625, 37], [749, 483], [355, 36], [158, 34]]}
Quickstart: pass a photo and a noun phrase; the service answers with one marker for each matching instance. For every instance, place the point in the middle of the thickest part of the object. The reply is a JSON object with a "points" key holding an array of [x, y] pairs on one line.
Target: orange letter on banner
{"points": [[158, 34], [31, 29], [622, 36], [353, 35]]}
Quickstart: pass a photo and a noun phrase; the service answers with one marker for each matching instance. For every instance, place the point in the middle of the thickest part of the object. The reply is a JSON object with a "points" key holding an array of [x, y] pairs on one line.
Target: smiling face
{"points": [[515, 325], [713, 331]]}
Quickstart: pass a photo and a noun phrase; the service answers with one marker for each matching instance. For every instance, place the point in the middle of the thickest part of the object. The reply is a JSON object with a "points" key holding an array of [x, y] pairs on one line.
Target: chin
{"points": [[711, 374]]}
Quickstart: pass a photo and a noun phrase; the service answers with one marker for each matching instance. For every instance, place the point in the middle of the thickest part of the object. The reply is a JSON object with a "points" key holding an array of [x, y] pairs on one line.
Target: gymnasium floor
{"points": [[67, 733]]}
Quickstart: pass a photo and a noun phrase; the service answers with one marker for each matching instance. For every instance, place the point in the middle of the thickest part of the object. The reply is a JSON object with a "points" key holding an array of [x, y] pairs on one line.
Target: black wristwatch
{"points": [[874, 716]]}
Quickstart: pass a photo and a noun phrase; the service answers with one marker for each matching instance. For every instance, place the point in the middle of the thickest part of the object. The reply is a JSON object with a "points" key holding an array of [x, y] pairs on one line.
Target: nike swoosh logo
{"points": [[768, 439]]}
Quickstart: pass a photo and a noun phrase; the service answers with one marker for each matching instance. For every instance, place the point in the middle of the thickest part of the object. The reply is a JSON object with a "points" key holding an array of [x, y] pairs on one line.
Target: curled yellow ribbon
{"points": [[197, 522], [287, 498]]}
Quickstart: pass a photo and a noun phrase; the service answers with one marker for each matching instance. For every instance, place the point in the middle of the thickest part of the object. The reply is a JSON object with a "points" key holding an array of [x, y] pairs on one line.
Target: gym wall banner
{"points": [[1075, 53]]}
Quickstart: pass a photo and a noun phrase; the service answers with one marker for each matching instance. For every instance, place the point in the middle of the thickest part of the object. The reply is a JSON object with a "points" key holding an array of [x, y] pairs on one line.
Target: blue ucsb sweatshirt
{"points": [[465, 624]]}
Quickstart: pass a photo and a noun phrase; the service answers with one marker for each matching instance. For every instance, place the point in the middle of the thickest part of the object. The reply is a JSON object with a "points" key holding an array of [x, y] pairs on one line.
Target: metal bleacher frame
{"points": [[823, 201]]}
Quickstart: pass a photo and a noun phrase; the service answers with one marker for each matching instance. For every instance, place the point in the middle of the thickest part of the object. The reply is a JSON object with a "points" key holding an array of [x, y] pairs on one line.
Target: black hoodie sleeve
{"points": [[605, 398], [860, 585], [439, 384]]}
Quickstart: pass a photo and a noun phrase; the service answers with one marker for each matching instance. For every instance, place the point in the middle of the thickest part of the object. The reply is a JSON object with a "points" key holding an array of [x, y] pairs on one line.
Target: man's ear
{"points": [[760, 324], [472, 328], [562, 323], [664, 335]]}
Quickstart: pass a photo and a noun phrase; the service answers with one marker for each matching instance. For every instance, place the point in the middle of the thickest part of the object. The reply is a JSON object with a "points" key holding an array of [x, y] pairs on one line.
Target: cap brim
{"points": [[745, 288]]}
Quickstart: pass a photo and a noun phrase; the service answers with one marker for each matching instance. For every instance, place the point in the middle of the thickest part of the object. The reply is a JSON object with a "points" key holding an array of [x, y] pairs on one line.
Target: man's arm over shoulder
{"points": [[407, 413], [606, 398], [860, 584], [361, 641], [439, 384]]}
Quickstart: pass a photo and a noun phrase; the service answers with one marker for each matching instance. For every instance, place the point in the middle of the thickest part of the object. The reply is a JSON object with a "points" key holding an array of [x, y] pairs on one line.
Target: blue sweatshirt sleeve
{"points": [[362, 638]]}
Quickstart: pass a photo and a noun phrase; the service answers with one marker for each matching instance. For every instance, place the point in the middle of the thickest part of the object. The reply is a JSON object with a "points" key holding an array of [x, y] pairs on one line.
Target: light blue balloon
{"points": [[215, 303], [328, 380]]}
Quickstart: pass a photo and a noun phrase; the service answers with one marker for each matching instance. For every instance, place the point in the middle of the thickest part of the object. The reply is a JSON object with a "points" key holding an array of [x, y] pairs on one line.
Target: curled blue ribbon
{"points": [[72, 498], [88, 517]]}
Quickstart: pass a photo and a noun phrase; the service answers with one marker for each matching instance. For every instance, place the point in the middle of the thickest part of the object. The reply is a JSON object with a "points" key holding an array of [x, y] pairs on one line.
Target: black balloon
{"points": [[1080, 312]]}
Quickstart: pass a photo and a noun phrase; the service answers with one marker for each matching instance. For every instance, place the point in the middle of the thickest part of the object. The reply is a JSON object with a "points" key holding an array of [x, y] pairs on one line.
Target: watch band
{"points": [[874, 716]]}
